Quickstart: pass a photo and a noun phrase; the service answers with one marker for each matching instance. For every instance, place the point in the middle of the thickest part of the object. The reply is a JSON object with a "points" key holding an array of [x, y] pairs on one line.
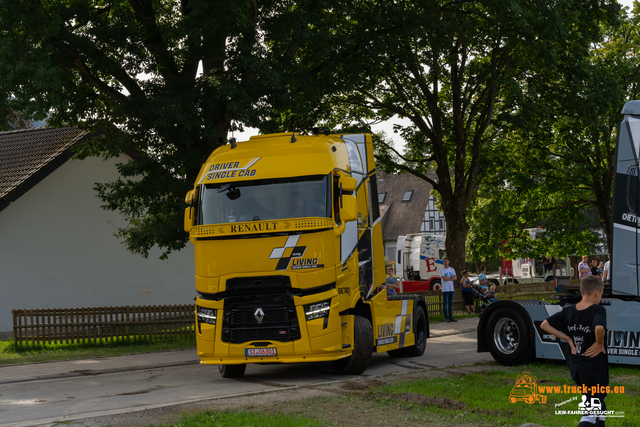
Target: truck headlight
{"points": [[207, 315], [317, 310]]}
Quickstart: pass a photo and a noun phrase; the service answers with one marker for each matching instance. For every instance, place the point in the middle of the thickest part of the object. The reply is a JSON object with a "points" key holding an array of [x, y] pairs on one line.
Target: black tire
{"points": [[232, 371], [436, 285], [494, 282], [508, 337], [420, 333], [548, 279], [358, 362]]}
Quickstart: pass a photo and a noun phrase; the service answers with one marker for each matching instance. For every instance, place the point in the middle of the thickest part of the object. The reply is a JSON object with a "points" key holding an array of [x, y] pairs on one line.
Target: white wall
{"points": [[57, 250]]}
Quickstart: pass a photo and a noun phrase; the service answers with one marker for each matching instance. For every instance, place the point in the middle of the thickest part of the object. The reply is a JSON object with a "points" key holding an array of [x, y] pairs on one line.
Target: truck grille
{"points": [[259, 308], [271, 315]]}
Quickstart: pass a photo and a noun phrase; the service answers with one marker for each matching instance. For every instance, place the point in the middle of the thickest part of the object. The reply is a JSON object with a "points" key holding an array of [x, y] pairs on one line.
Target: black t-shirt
{"points": [[580, 325], [595, 271]]}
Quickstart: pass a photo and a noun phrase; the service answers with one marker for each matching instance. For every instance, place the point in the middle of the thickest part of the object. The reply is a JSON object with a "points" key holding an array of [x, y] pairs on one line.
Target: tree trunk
{"points": [[457, 230]]}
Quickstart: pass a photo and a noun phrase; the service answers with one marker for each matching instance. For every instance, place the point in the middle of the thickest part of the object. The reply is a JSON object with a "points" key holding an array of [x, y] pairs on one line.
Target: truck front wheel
{"points": [[508, 337], [420, 333], [232, 371], [436, 285], [358, 362]]}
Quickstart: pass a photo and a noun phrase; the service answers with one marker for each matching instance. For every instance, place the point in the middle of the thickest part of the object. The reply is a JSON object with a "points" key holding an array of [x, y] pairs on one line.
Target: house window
{"points": [[431, 226], [441, 225], [407, 195], [381, 197]]}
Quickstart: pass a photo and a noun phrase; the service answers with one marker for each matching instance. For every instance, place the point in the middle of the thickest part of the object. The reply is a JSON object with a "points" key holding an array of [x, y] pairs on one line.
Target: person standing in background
{"points": [[606, 271], [448, 276], [595, 271], [465, 284], [583, 268], [392, 282]]}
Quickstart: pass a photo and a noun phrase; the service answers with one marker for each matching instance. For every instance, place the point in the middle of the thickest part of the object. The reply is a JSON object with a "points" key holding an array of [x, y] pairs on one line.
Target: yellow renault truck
{"points": [[289, 257]]}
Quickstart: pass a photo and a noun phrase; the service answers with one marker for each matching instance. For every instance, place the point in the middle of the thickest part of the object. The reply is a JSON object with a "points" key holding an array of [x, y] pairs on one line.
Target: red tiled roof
{"points": [[27, 156]]}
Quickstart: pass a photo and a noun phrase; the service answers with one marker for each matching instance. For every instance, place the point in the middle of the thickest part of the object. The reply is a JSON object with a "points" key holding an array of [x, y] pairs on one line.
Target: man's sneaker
{"points": [[453, 320], [447, 320]]}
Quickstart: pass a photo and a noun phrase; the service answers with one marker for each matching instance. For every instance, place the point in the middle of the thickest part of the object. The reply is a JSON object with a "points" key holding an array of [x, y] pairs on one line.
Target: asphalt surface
{"points": [[44, 394], [137, 362]]}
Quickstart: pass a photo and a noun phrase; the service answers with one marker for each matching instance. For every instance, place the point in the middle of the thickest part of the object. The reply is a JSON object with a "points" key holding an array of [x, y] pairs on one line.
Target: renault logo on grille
{"points": [[259, 314]]}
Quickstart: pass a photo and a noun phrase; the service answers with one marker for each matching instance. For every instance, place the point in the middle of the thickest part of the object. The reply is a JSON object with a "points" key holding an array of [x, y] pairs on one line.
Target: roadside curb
{"points": [[462, 331]]}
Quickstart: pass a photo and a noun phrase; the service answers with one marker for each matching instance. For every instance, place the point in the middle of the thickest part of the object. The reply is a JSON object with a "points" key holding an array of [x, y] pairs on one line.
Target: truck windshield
{"points": [[261, 200]]}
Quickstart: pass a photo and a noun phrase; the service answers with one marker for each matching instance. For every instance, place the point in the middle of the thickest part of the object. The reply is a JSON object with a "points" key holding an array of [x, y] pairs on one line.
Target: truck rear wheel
{"points": [[436, 285], [508, 337], [420, 333], [358, 362], [232, 371]]}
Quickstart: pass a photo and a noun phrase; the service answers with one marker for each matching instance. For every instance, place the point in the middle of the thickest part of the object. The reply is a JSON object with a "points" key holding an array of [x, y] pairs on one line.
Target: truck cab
{"points": [[289, 256]]}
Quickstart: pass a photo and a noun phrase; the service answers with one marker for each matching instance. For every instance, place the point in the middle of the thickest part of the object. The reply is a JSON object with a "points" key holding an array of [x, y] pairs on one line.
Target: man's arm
{"points": [[598, 346], [559, 334]]}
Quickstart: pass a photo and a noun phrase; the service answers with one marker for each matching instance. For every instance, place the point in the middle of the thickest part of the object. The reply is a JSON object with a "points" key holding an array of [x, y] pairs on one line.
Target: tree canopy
{"points": [[460, 72], [127, 70], [468, 74], [561, 175]]}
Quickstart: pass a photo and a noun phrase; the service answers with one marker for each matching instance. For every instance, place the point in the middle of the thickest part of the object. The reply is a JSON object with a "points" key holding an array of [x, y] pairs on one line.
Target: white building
{"points": [[57, 245]]}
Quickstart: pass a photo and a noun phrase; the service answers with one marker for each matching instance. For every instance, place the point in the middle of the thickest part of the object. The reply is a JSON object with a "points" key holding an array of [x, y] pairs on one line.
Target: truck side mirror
{"points": [[349, 183], [189, 213], [349, 209]]}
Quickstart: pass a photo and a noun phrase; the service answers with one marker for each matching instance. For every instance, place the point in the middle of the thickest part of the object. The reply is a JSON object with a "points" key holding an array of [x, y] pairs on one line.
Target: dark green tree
{"points": [[127, 71], [460, 71], [561, 176]]}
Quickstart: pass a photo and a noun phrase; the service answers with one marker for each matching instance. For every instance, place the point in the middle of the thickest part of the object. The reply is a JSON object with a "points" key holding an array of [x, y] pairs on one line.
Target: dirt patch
{"points": [[360, 385], [440, 402]]}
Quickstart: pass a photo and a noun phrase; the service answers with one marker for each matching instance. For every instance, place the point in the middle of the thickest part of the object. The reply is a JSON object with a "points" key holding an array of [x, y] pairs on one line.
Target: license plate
{"points": [[259, 352]]}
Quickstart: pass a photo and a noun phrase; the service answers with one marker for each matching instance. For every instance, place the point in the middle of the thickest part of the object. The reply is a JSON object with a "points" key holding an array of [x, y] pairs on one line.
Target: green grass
{"points": [[486, 395], [243, 418], [11, 354]]}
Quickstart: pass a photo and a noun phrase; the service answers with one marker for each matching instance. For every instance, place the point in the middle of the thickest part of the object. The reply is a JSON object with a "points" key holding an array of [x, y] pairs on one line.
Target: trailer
{"points": [[510, 330], [419, 261]]}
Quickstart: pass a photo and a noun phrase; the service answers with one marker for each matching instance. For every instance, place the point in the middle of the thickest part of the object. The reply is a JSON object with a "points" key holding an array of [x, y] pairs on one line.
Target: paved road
{"points": [[43, 393]]}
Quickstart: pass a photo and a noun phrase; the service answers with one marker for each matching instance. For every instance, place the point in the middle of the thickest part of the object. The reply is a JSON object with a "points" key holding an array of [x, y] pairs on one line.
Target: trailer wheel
{"points": [[436, 285], [232, 371], [358, 362], [420, 333], [494, 282], [508, 337]]}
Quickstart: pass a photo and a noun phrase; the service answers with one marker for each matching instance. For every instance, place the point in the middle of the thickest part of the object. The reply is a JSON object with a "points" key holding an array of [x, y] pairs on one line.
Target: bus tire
{"points": [[508, 337], [358, 362], [436, 285], [232, 371], [419, 332]]}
